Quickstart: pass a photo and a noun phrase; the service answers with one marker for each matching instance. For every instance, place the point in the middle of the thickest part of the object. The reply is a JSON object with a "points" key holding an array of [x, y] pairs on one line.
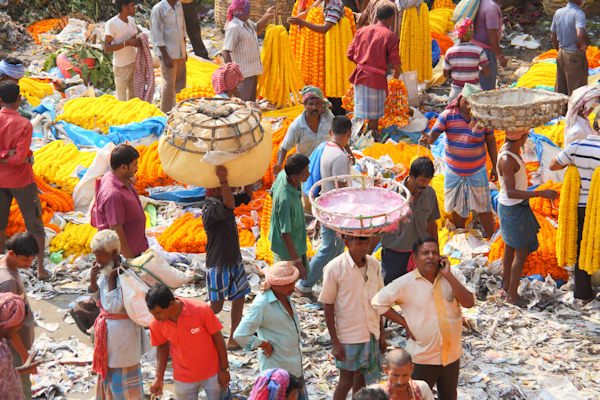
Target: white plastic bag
{"points": [[84, 191], [152, 268], [134, 297]]}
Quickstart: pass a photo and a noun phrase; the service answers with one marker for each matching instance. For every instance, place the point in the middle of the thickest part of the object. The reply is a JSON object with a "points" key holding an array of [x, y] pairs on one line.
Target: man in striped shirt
{"points": [[463, 60], [585, 155], [466, 186]]}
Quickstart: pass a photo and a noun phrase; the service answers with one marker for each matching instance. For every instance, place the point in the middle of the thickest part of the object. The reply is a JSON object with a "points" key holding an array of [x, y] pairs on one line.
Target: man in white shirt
{"points": [[430, 298], [350, 281], [118, 343], [167, 28], [120, 37]]}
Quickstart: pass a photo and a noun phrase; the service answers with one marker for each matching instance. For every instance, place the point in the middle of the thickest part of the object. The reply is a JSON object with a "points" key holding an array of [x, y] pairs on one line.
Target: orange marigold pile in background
{"points": [[46, 25], [444, 41], [185, 235], [545, 207], [150, 172], [196, 90], [541, 262]]}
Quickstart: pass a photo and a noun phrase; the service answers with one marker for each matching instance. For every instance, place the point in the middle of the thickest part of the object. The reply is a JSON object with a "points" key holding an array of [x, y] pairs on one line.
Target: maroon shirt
{"points": [[15, 133], [372, 49], [118, 203]]}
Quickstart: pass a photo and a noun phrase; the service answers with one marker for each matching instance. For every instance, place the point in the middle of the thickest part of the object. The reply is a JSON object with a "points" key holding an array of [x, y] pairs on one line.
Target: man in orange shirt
{"points": [[192, 333]]}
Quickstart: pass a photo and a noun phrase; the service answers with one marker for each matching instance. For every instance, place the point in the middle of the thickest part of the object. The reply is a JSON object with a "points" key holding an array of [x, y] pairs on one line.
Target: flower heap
{"points": [[546, 207], [444, 41], [185, 235], [34, 90], [540, 74], [589, 255], [415, 42], [105, 111], [396, 104], [150, 172], [443, 4], [440, 20], [566, 242], [74, 240], [200, 90], [263, 245], [268, 178], [56, 162], [338, 67], [541, 262], [281, 81], [44, 26]]}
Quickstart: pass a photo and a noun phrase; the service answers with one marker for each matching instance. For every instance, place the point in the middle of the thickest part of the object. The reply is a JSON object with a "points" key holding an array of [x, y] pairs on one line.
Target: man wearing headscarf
{"points": [[275, 384], [309, 129], [11, 69], [581, 103], [12, 312], [464, 61], [225, 80], [466, 185], [518, 225], [241, 44], [271, 324]]}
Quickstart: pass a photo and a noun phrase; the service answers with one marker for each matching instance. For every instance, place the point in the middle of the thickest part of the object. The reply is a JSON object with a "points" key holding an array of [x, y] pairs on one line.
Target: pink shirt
{"points": [[489, 16], [119, 204], [15, 133]]}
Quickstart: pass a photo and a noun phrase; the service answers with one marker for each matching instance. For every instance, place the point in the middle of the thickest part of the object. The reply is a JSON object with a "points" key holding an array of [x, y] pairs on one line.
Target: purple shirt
{"points": [[489, 16], [119, 204]]}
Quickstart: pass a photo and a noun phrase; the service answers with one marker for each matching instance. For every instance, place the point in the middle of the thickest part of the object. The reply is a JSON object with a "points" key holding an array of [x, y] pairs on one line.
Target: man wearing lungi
{"points": [[372, 49], [466, 185], [518, 225], [349, 283]]}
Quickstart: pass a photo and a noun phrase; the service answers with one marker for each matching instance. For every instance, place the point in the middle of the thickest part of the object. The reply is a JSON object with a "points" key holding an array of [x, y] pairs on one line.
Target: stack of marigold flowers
{"points": [[310, 50], [415, 42], [75, 239], [541, 262], [46, 25], [566, 242], [263, 245], [589, 254], [150, 172], [185, 235], [546, 207], [338, 67], [196, 90]]}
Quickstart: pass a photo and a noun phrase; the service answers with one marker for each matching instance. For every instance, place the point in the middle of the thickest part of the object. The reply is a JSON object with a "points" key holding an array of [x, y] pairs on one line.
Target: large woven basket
{"points": [[337, 209], [590, 7], [257, 10], [516, 109]]}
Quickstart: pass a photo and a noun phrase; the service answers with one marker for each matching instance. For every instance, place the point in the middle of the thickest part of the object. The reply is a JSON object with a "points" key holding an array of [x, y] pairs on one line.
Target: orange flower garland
{"points": [[545, 207], [185, 235], [150, 172]]}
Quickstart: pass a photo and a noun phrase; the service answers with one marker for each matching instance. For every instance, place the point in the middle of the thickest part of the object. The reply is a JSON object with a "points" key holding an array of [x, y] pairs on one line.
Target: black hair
{"points": [[9, 91], [422, 166], [122, 3], [159, 295], [341, 125], [295, 164], [13, 61], [123, 154], [293, 385], [23, 244], [385, 11], [370, 394], [420, 242]]}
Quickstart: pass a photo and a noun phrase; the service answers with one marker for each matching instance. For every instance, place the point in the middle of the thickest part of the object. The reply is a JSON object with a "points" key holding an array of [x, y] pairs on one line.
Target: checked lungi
{"points": [[368, 103], [121, 384]]}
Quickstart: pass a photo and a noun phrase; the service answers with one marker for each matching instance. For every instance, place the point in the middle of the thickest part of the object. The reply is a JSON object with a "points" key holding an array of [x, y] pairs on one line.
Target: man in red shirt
{"points": [[192, 333], [372, 49], [16, 173], [117, 205]]}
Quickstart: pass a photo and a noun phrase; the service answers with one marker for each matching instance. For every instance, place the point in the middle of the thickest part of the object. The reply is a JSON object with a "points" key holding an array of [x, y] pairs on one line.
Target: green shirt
{"points": [[287, 216]]}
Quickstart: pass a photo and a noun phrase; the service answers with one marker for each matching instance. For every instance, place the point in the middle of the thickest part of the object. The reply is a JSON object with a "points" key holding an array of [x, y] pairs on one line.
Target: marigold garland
{"points": [[566, 242], [338, 67], [34, 90], [589, 254], [150, 172], [415, 42], [546, 207], [75, 239]]}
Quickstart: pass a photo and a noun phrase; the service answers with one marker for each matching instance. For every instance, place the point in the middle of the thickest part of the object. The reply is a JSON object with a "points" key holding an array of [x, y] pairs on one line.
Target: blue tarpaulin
{"points": [[183, 196]]}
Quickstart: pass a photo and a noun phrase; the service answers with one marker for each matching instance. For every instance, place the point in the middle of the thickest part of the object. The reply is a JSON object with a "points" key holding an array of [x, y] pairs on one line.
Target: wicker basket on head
{"points": [[516, 109], [257, 10], [590, 7]]}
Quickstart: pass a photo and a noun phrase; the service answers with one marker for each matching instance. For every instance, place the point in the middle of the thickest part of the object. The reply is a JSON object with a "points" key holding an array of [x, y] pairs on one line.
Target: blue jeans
{"points": [[331, 247], [489, 82]]}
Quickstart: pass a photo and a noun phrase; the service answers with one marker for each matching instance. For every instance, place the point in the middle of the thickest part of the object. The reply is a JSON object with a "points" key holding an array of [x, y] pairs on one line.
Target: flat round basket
{"points": [[257, 10], [516, 109], [361, 205], [590, 7]]}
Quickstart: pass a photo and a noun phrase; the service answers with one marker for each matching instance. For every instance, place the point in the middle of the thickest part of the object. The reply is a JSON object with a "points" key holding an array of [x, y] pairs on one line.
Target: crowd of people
{"points": [[359, 294]]}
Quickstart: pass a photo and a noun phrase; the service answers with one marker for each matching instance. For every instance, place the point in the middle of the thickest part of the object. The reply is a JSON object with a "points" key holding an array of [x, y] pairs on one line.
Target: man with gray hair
{"points": [[118, 340]]}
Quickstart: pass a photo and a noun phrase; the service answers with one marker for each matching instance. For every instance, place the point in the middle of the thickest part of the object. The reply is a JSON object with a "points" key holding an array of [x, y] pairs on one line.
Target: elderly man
{"points": [[584, 156], [118, 340], [349, 283], [372, 49], [271, 324], [117, 205], [398, 367], [396, 254], [191, 333], [582, 102], [430, 298], [488, 31], [167, 28], [571, 41], [466, 186], [226, 80], [309, 129]]}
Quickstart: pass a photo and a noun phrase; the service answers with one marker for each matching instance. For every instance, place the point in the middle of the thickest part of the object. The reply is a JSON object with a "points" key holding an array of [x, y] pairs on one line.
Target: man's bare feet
{"points": [[42, 274], [232, 345]]}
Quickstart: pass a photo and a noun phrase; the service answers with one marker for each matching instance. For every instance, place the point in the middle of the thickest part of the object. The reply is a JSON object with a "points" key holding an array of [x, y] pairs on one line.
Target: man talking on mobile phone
{"points": [[430, 298]]}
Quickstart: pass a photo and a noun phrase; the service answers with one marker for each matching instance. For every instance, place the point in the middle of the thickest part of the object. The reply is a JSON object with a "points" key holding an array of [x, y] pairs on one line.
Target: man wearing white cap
{"points": [[11, 69], [271, 324]]}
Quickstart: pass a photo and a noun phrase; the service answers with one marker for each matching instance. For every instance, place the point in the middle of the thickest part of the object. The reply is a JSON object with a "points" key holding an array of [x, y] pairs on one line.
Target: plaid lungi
{"points": [[121, 384], [364, 358], [227, 282], [463, 194], [518, 226], [368, 103]]}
